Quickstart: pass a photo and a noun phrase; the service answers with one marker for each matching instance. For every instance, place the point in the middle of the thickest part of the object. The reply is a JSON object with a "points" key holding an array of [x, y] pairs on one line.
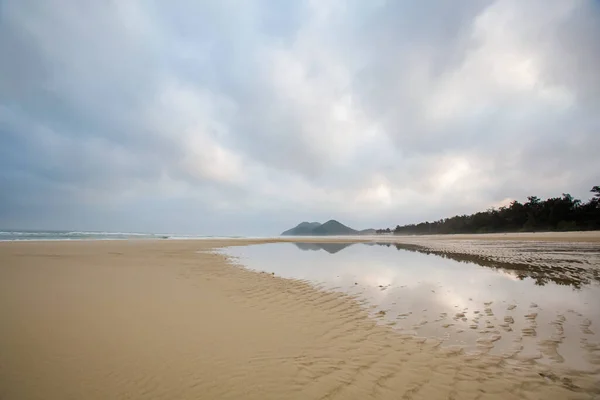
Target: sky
{"points": [[248, 117]]}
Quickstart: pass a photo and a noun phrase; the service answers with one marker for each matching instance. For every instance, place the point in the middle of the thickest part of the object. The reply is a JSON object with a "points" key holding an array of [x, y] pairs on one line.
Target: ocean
{"points": [[12, 235]]}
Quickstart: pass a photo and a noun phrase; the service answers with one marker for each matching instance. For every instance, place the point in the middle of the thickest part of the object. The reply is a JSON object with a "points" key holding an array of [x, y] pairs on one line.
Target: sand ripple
{"points": [[161, 321]]}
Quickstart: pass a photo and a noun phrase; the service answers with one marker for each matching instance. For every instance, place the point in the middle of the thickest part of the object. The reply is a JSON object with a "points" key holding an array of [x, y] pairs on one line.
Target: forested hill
{"points": [[563, 213]]}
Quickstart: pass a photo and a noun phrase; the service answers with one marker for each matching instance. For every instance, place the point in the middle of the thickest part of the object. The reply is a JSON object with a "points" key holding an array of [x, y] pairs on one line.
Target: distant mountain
{"points": [[302, 229], [331, 227]]}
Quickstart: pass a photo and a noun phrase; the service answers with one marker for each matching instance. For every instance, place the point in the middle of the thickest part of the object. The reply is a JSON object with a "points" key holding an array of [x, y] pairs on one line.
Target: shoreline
{"points": [[558, 237], [175, 319]]}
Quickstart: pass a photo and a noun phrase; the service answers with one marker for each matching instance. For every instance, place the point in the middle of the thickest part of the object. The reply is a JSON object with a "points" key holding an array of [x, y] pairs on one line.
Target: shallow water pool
{"points": [[485, 309]]}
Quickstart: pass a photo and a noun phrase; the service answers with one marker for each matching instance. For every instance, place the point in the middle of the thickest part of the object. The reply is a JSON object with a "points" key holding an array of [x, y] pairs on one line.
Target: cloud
{"points": [[248, 117]]}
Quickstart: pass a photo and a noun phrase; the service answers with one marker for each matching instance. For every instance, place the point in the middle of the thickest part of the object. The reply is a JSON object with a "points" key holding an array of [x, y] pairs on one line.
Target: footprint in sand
{"points": [[531, 316], [511, 307], [560, 330], [419, 324], [495, 338], [488, 341], [585, 327], [529, 332]]}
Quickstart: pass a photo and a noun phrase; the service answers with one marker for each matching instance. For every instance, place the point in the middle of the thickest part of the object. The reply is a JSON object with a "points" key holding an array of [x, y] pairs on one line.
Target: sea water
{"points": [[11, 235]]}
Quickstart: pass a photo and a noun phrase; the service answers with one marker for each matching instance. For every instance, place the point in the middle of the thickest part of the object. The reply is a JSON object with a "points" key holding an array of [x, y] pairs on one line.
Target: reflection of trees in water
{"points": [[561, 275], [331, 248]]}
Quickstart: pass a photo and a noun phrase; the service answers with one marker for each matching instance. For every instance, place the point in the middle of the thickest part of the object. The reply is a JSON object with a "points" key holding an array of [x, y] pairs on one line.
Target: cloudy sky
{"points": [[247, 117]]}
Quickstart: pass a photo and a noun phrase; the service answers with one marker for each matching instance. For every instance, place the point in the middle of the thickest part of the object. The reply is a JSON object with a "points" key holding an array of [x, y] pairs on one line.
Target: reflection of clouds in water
{"points": [[453, 282], [509, 275], [416, 289]]}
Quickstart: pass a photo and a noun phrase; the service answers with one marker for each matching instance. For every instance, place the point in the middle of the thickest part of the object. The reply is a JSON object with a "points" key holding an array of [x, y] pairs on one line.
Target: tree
{"points": [[556, 213]]}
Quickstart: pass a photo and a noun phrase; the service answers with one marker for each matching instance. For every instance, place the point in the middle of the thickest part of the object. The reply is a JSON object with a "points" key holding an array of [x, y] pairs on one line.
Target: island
{"points": [[329, 228]]}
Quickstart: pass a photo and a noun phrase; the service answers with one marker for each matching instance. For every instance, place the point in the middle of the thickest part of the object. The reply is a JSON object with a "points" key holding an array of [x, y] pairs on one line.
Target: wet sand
{"points": [[547, 315], [172, 319]]}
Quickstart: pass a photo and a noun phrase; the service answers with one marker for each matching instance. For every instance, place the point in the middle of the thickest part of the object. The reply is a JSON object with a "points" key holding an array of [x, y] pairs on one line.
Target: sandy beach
{"points": [[568, 237], [174, 320]]}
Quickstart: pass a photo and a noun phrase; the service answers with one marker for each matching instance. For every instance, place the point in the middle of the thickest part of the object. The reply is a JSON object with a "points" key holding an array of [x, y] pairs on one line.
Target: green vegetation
{"points": [[554, 214]]}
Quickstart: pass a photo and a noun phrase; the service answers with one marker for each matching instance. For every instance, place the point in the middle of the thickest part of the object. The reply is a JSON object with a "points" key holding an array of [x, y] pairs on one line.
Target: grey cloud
{"points": [[208, 117]]}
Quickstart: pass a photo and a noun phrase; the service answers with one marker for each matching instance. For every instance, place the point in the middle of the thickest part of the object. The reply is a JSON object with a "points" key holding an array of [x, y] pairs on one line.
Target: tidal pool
{"points": [[496, 310]]}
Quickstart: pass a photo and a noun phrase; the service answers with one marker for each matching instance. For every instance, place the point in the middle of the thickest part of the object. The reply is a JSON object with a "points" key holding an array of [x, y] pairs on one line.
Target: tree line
{"points": [[554, 214]]}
